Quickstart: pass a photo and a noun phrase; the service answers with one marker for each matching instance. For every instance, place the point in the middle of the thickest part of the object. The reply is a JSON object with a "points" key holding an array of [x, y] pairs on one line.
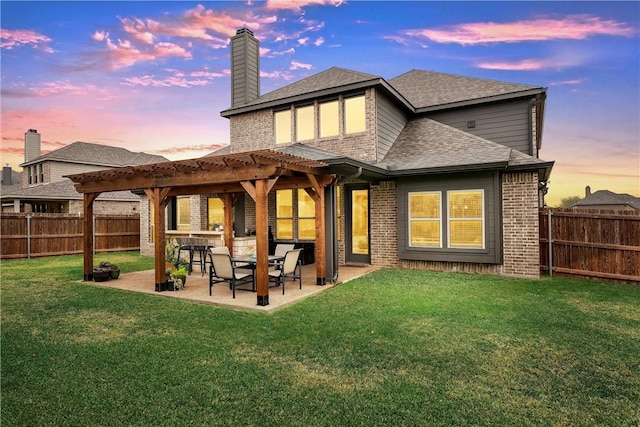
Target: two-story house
{"points": [[44, 188], [425, 170], [437, 171]]}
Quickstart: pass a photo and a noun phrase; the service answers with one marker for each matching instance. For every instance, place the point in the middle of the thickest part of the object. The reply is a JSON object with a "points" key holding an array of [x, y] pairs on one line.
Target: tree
{"points": [[567, 202]]}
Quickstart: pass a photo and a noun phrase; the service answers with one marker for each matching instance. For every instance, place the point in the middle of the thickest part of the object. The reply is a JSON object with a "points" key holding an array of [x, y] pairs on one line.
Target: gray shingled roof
{"points": [[333, 79], [98, 154], [428, 88], [64, 190], [427, 144], [606, 197]]}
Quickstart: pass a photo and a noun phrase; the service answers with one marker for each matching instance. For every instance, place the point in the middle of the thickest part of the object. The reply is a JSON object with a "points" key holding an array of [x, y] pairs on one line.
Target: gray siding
{"points": [[245, 69], [390, 121], [489, 182], [60, 169], [506, 123]]}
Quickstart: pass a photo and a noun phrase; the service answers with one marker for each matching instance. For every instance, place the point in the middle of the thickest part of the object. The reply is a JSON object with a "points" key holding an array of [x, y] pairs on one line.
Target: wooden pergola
{"points": [[230, 176]]}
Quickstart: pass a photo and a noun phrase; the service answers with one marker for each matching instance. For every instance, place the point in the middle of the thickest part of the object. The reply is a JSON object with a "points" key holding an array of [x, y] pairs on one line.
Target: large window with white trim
{"points": [[282, 123], [305, 123], [466, 219], [355, 115], [425, 219]]}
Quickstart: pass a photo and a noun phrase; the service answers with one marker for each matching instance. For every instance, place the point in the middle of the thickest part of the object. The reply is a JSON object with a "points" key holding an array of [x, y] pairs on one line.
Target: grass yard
{"points": [[392, 348]]}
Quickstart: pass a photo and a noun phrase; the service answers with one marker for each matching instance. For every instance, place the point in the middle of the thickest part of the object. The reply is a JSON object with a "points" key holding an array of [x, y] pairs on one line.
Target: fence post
{"points": [[550, 239], [28, 236]]}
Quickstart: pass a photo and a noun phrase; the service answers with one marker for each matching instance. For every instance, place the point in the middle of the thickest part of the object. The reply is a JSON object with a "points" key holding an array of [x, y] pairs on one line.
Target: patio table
{"points": [[250, 262]]}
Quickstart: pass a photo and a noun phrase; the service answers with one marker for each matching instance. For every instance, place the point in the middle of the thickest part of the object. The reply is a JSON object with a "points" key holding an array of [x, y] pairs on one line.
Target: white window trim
{"points": [[466, 190], [439, 219]]}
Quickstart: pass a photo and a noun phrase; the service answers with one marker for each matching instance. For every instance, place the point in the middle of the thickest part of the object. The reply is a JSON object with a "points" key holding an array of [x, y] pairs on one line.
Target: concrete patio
{"points": [[197, 288]]}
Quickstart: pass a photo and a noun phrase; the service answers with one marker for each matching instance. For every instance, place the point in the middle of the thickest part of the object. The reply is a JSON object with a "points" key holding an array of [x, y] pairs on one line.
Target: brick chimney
{"points": [[31, 145], [587, 191], [245, 68]]}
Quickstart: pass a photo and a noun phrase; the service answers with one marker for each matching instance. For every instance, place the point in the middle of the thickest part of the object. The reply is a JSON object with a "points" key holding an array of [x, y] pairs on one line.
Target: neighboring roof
{"points": [[97, 154], [606, 197], [64, 190], [16, 183], [425, 89]]}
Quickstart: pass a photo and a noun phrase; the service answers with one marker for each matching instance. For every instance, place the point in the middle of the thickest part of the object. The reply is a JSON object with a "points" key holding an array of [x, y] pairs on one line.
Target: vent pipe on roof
{"points": [[31, 145], [245, 68]]}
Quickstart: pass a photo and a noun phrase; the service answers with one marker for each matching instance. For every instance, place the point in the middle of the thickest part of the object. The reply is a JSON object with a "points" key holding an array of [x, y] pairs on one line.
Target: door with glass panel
{"points": [[357, 242]]}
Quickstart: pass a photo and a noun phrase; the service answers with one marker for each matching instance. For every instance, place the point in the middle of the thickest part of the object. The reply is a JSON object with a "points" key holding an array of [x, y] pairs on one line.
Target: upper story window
{"points": [[305, 127], [354, 115], [305, 123], [329, 119], [283, 126], [41, 169]]}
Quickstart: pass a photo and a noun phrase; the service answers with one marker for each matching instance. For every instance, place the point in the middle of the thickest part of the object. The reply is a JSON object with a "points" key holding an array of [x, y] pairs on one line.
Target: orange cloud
{"points": [[574, 27], [11, 39], [299, 4]]}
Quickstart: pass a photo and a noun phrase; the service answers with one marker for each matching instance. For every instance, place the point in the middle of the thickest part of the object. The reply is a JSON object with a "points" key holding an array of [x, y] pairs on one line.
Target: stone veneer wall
{"points": [[520, 230]]}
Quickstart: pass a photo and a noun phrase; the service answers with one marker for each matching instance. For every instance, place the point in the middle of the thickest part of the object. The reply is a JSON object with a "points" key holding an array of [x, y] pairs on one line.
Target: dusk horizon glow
{"points": [[154, 76]]}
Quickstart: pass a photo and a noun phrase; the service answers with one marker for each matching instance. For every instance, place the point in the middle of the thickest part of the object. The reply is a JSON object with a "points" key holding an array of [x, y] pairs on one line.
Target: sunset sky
{"points": [[154, 76]]}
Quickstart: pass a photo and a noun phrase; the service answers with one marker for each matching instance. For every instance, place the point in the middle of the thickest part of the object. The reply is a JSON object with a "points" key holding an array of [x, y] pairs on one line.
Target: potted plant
{"points": [[179, 278], [114, 271]]}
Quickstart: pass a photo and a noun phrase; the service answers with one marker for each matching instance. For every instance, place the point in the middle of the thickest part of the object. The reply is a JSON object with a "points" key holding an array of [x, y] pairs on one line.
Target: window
{"points": [[306, 216], [305, 123], [215, 213], [41, 167], [283, 126], [329, 119], [183, 209], [354, 115], [425, 219], [284, 214], [466, 219]]}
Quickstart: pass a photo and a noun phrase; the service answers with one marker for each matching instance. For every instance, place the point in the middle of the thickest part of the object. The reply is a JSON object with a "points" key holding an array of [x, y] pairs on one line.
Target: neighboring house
{"points": [[437, 171], [607, 200], [44, 189]]}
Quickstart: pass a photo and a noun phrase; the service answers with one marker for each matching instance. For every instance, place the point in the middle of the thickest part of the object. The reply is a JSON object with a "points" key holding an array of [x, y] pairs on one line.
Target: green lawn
{"points": [[393, 348]]}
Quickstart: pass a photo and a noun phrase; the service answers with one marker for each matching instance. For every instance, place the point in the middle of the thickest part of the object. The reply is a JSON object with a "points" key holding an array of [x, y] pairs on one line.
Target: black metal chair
{"points": [[291, 269]]}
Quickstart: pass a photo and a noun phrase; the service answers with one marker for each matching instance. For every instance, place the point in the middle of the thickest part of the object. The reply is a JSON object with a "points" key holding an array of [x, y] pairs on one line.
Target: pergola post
{"points": [[262, 242], [87, 231], [227, 200], [158, 197]]}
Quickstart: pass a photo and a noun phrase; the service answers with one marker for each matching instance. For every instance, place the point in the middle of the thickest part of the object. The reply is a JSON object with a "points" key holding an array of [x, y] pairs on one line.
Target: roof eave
{"points": [[484, 100], [303, 97]]}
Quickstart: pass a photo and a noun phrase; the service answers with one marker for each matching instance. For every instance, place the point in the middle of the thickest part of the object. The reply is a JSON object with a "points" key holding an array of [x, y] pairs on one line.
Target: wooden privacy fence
{"points": [[602, 245], [36, 235]]}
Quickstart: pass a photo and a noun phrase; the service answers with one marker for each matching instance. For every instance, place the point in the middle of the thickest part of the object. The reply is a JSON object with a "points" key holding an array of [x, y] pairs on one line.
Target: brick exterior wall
{"points": [[520, 224], [106, 207], [255, 130], [383, 224]]}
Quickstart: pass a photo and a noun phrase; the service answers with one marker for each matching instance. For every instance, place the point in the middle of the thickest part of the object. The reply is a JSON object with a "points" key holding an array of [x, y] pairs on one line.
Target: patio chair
{"points": [[288, 271], [224, 271], [225, 250], [281, 250]]}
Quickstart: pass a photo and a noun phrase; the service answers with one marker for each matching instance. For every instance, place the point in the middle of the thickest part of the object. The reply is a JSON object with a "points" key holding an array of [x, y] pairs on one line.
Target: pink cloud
{"points": [[297, 5], [319, 41], [11, 39], [284, 75], [124, 54], [186, 149], [574, 27], [295, 65], [66, 88], [524, 65], [179, 78], [567, 82]]}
